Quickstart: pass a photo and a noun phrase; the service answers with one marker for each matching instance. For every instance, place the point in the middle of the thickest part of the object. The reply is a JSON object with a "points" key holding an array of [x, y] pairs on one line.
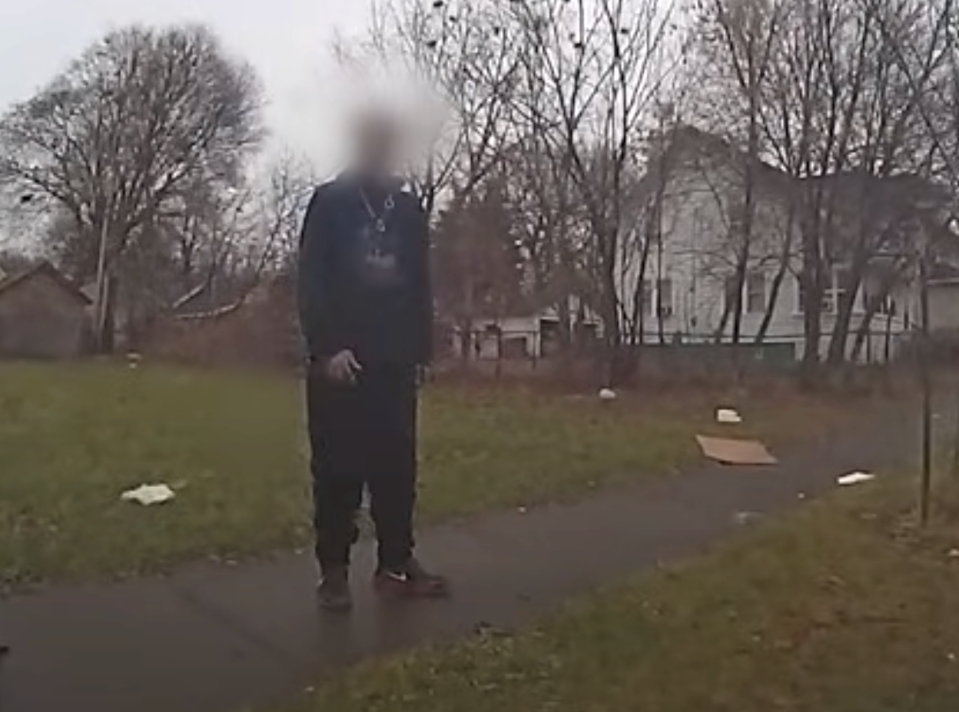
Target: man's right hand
{"points": [[343, 367]]}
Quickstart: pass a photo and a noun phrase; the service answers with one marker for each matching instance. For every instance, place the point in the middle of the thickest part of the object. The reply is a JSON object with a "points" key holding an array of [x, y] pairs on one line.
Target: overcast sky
{"points": [[288, 41]]}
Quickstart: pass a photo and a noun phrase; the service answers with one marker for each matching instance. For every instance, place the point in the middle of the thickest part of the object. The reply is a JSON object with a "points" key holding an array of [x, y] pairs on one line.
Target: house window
{"points": [[756, 292], [754, 289], [664, 297]]}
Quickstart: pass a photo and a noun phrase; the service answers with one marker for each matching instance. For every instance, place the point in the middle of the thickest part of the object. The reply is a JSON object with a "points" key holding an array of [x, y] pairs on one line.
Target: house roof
{"points": [[44, 268], [686, 144]]}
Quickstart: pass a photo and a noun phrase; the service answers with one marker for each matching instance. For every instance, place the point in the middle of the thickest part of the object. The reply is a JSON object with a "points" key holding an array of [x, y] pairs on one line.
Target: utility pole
{"points": [[99, 310], [925, 380]]}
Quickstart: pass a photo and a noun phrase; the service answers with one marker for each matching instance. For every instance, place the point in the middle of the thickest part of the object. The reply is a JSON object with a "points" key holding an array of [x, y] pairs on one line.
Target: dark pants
{"points": [[363, 435]]}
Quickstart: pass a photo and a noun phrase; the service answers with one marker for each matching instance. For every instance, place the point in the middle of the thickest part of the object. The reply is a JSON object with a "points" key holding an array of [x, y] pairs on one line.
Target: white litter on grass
{"points": [[149, 494], [744, 518], [728, 415], [607, 394], [855, 478]]}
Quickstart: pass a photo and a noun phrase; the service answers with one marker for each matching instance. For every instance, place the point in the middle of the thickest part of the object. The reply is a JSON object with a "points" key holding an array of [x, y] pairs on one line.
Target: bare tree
{"points": [[549, 225], [740, 40], [890, 143], [814, 88], [604, 65], [121, 137], [477, 260], [225, 243], [276, 211], [462, 51]]}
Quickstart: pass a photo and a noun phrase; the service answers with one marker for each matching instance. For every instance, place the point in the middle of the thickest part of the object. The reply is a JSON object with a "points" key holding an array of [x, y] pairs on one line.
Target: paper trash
{"points": [[855, 478], [728, 415], [149, 494], [607, 394]]}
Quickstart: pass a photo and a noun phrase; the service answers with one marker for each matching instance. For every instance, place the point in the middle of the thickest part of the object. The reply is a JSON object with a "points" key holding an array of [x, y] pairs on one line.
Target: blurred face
{"points": [[376, 145]]}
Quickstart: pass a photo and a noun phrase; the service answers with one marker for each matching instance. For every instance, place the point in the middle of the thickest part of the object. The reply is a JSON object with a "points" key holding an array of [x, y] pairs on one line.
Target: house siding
{"points": [[944, 307], [41, 319], [696, 260]]}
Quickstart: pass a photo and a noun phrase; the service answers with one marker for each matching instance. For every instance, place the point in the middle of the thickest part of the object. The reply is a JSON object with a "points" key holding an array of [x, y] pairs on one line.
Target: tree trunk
{"points": [[742, 264], [865, 326], [862, 333], [774, 292], [778, 281], [811, 279], [723, 323], [844, 309], [107, 335], [614, 366]]}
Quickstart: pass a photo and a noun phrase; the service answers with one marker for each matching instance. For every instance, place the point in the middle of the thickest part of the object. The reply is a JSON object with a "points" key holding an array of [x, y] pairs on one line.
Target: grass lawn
{"points": [[837, 608], [73, 437]]}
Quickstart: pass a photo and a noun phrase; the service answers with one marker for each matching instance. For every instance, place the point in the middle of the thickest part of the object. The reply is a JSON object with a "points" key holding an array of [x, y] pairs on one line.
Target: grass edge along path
{"points": [[839, 606]]}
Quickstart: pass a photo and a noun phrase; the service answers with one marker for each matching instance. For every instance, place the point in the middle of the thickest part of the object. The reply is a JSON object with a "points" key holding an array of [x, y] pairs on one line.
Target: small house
{"points": [[528, 334], [43, 315]]}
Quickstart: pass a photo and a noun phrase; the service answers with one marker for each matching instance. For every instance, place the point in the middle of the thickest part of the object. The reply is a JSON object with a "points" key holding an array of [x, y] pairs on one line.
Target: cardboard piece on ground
{"points": [[728, 451]]}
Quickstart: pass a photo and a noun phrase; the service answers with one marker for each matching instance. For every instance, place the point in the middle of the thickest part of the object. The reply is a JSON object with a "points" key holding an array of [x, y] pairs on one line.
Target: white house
{"points": [[692, 245], [528, 334], [944, 299]]}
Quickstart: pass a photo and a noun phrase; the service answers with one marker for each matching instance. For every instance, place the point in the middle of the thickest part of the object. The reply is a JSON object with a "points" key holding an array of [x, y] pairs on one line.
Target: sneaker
{"points": [[334, 591], [411, 581]]}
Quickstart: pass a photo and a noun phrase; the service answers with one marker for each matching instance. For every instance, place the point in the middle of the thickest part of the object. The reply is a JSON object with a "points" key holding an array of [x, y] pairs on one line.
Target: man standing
{"points": [[366, 313]]}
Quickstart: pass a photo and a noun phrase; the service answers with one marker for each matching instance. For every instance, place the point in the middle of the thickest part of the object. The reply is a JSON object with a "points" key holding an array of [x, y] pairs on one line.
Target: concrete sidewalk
{"points": [[225, 639]]}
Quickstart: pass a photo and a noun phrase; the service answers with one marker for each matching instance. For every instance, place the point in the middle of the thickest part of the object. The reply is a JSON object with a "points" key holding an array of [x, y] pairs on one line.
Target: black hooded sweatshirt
{"points": [[363, 274]]}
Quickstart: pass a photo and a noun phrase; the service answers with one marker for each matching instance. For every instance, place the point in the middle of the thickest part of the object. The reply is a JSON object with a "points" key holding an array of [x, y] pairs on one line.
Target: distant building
{"points": [[530, 333], [686, 285], [43, 315]]}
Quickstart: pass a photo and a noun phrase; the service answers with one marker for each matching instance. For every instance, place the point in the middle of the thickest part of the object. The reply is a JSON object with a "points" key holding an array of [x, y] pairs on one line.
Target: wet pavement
{"points": [[229, 638]]}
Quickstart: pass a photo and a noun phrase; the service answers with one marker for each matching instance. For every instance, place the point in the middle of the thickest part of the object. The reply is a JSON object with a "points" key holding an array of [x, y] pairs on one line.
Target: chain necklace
{"points": [[378, 219]]}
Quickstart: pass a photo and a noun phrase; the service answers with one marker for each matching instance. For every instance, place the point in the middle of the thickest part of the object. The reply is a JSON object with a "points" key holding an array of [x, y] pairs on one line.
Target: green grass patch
{"points": [[840, 607], [73, 437]]}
